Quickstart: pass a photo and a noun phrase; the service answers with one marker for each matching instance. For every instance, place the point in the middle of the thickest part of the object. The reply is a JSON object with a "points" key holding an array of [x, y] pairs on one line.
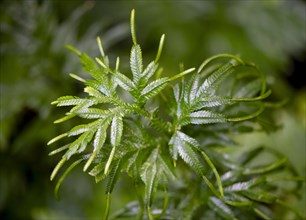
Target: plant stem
{"points": [[107, 203]]}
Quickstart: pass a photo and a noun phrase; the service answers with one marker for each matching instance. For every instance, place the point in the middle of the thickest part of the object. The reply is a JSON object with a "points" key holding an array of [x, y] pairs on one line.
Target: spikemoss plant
{"points": [[171, 135]]}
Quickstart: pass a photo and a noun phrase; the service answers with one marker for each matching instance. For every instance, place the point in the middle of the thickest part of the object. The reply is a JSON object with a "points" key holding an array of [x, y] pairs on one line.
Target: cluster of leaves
{"points": [[156, 143]]}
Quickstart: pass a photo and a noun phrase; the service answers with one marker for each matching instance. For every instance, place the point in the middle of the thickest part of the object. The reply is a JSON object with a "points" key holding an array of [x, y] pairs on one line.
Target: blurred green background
{"points": [[35, 67]]}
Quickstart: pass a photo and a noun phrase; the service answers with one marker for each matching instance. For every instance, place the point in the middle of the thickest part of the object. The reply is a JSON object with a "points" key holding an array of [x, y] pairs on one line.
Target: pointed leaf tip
{"points": [[100, 46], [57, 138], [160, 48], [133, 30]]}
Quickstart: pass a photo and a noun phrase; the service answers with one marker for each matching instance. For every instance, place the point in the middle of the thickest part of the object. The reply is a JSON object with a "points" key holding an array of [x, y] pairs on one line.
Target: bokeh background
{"points": [[35, 67]]}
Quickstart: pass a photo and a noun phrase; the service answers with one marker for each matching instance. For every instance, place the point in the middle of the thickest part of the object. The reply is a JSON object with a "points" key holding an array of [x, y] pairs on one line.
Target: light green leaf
{"points": [[160, 48], [57, 167], [74, 50], [136, 62], [124, 82], [116, 131], [173, 143], [79, 129], [92, 92], [101, 86], [74, 146], [77, 77], [215, 78], [154, 87], [98, 144], [57, 138], [193, 88], [206, 117], [68, 101], [190, 157], [210, 101], [187, 139], [149, 70]]}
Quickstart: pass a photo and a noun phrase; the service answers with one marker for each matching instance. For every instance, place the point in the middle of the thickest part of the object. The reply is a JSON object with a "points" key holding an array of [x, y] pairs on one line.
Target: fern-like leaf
{"points": [[116, 131], [124, 82], [136, 63], [153, 88]]}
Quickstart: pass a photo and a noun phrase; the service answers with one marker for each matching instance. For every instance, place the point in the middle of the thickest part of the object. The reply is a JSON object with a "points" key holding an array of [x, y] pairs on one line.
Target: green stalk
{"points": [[107, 203]]}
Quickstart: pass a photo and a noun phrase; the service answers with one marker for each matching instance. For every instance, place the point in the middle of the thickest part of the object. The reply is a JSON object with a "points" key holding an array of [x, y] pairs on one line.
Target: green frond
{"points": [[212, 81], [102, 87], [206, 117], [133, 29], [98, 143], [60, 149], [84, 139], [153, 88], [160, 48], [65, 118], [57, 167], [92, 113], [93, 92], [149, 71], [77, 77], [68, 101], [124, 82], [100, 46], [187, 153], [79, 129], [187, 139], [194, 86], [109, 161], [136, 62], [57, 138], [83, 106], [74, 50], [211, 101]]}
